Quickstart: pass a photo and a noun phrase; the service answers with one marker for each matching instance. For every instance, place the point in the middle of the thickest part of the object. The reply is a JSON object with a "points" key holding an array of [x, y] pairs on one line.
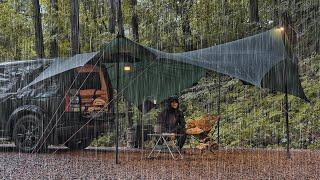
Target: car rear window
{"points": [[89, 80]]}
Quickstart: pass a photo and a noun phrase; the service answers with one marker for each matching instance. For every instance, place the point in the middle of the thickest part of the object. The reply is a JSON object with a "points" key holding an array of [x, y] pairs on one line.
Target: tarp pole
{"points": [[286, 25], [286, 104], [117, 104], [142, 122], [219, 103], [287, 119]]}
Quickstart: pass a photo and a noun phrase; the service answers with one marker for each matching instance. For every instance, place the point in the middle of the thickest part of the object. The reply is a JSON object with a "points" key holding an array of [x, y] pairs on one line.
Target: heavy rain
{"points": [[168, 89]]}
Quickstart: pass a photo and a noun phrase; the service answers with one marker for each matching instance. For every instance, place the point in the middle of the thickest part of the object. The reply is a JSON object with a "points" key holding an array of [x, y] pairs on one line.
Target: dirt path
{"points": [[223, 164]]}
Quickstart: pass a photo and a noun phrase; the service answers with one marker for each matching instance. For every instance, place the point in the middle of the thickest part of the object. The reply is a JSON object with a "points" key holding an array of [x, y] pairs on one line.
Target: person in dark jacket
{"points": [[171, 120]]}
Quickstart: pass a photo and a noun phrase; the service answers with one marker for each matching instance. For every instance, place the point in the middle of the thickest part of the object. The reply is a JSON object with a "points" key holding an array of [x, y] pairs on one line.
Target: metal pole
{"points": [[286, 104], [142, 123], [287, 119], [117, 112], [219, 94]]}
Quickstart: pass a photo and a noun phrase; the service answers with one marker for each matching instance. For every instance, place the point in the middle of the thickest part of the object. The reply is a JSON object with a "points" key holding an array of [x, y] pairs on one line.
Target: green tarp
{"points": [[259, 60]]}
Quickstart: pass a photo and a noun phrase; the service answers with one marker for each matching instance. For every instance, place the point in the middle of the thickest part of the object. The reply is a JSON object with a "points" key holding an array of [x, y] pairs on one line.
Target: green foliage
{"points": [[106, 140], [160, 24], [15, 22]]}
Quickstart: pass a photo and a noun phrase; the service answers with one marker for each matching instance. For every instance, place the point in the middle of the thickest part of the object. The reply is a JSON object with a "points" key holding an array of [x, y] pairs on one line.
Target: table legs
{"points": [[154, 147], [165, 142]]}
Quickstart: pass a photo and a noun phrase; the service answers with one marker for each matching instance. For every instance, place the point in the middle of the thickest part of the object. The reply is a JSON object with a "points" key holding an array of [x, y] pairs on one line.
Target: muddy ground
{"points": [[222, 164]]}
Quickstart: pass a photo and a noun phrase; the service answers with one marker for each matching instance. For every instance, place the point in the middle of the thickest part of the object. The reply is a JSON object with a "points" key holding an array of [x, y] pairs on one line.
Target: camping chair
{"points": [[200, 130]]}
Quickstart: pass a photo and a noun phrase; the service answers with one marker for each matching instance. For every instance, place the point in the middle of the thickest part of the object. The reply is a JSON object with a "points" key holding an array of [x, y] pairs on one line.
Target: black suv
{"points": [[67, 109]]}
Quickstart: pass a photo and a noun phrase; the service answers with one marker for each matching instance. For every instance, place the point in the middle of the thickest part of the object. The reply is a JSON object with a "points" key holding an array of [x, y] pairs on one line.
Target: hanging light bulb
{"points": [[281, 28]]}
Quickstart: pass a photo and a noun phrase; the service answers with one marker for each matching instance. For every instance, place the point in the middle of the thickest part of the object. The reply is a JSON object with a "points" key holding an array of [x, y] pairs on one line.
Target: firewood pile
{"points": [[200, 129]]}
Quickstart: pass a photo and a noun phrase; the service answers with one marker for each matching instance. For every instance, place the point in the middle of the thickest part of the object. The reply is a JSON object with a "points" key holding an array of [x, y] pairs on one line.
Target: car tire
{"points": [[78, 144], [28, 134]]}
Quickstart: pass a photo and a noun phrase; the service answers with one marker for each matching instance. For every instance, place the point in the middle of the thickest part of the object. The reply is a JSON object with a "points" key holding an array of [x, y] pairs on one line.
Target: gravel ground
{"points": [[222, 164]]}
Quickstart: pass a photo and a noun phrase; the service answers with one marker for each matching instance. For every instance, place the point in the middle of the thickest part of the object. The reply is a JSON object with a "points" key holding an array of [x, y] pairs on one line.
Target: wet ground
{"points": [[222, 164]]}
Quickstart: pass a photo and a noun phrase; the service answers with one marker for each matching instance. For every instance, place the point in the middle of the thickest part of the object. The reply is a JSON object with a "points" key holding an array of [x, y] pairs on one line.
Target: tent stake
{"points": [[117, 112]]}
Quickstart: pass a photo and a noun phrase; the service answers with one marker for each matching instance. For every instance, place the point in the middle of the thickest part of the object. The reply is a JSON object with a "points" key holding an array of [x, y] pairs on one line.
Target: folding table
{"points": [[168, 143]]}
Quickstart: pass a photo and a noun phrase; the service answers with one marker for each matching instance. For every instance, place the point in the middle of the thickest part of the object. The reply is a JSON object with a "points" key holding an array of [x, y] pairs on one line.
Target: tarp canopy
{"points": [[261, 60], [63, 65]]}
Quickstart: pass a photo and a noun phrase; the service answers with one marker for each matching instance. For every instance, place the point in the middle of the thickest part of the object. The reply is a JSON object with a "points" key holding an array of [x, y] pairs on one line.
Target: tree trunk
{"points": [[112, 18], [276, 12], [225, 7], [134, 21], [156, 36], [54, 29], [96, 15], [183, 11], [75, 44], [119, 17], [186, 29], [253, 11], [206, 39], [38, 29], [135, 32]]}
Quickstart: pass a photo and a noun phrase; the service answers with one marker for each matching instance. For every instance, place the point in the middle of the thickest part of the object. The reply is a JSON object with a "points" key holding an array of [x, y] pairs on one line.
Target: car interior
{"points": [[89, 93]]}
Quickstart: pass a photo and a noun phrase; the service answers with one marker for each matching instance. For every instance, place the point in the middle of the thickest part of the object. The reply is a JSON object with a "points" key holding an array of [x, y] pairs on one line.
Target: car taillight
{"points": [[67, 108], [72, 103]]}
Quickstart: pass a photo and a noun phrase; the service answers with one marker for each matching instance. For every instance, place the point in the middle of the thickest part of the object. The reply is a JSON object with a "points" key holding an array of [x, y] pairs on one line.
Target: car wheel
{"points": [[78, 144], [27, 132]]}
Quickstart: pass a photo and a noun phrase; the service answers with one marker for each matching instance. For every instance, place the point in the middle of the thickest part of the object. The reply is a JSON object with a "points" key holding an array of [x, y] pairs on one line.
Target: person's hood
{"points": [[170, 100]]}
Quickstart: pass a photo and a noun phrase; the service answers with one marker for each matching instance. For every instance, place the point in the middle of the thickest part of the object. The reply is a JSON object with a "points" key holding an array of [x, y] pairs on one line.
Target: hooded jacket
{"points": [[171, 120]]}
